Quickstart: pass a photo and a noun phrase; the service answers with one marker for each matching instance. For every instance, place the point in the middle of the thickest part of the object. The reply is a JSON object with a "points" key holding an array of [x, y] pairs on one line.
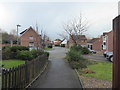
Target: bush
{"points": [[20, 48], [21, 52], [35, 53], [24, 55], [47, 54], [85, 50], [11, 52], [57, 45], [6, 53], [76, 47], [74, 65], [73, 55], [75, 58]]}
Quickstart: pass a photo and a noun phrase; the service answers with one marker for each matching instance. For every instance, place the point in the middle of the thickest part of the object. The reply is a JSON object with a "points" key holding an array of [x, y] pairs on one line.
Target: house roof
{"points": [[64, 41], [23, 32], [79, 37], [92, 40]]}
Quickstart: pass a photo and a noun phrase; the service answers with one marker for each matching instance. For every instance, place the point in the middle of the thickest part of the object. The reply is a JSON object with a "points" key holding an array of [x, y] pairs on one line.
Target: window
{"points": [[104, 43], [31, 37], [31, 44]]}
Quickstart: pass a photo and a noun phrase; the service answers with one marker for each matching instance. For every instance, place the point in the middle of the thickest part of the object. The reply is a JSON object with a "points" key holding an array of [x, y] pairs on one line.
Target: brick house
{"points": [[108, 41], [80, 40], [97, 44], [104, 43], [90, 42], [30, 38]]}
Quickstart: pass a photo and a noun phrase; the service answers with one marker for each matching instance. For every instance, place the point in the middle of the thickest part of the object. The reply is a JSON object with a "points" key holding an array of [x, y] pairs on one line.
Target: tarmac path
{"points": [[58, 73]]}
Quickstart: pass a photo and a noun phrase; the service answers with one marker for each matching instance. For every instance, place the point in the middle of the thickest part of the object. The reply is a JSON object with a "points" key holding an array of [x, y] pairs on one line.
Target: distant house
{"points": [[80, 40], [57, 42], [30, 38], [64, 43]]}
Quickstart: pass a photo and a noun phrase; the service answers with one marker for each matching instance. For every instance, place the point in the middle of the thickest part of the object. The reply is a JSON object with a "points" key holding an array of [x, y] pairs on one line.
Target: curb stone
{"points": [[79, 79]]}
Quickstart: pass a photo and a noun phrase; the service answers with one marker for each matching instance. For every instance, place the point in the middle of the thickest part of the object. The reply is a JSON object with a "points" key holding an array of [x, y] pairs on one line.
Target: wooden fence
{"points": [[22, 75]]}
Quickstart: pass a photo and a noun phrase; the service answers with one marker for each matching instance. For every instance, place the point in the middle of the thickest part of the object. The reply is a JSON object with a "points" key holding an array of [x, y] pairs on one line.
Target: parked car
{"points": [[104, 53], [92, 51], [108, 55]]}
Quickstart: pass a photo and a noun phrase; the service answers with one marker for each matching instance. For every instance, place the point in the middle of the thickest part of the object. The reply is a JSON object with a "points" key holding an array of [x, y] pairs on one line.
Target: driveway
{"points": [[97, 57], [58, 74]]}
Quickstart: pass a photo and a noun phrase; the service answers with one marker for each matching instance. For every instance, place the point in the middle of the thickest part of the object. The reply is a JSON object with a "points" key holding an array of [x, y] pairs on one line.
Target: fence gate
{"points": [[116, 52]]}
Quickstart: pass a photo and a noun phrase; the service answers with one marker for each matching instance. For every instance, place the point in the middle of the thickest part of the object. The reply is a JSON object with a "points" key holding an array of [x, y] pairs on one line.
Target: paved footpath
{"points": [[58, 73]]}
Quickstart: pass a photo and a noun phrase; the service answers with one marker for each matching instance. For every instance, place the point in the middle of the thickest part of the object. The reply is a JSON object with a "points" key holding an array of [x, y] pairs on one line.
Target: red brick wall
{"points": [[97, 44], [110, 41]]}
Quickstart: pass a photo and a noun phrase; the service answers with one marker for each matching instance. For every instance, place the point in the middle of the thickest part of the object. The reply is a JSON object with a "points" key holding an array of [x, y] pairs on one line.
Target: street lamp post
{"points": [[17, 33]]}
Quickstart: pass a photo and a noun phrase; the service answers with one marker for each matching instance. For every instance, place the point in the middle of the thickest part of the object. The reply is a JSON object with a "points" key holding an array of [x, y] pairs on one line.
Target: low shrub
{"points": [[24, 55], [21, 52], [47, 54], [76, 47], [74, 65], [6, 53], [85, 50], [74, 57], [11, 52], [20, 48], [76, 60], [35, 53]]}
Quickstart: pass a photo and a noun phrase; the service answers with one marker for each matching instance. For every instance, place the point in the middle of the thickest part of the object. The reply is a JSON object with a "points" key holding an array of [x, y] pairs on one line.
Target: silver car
{"points": [[109, 56]]}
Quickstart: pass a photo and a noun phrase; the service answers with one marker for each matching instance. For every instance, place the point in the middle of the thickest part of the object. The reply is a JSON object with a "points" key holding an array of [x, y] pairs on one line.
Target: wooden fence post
{"points": [[116, 53]]}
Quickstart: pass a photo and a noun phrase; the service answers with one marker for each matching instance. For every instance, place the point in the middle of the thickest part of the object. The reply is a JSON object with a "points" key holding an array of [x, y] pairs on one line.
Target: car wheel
{"points": [[111, 58]]}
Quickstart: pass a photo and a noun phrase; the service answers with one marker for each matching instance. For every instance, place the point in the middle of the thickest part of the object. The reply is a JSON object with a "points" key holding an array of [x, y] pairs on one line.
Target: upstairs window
{"points": [[31, 37]]}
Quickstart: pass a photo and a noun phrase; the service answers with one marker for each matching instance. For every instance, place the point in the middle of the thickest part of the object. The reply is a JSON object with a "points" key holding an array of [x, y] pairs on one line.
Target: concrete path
{"points": [[58, 74]]}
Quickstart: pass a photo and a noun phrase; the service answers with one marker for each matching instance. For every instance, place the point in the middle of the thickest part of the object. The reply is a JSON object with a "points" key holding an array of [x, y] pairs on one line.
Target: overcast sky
{"points": [[50, 15]]}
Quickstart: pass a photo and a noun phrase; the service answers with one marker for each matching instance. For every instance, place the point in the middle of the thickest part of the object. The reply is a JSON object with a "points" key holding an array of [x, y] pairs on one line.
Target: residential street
{"points": [[58, 73]]}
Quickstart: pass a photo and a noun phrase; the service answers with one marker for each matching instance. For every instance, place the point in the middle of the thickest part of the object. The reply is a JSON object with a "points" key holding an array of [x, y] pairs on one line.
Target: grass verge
{"points": [[11, 63], [102, 70]]}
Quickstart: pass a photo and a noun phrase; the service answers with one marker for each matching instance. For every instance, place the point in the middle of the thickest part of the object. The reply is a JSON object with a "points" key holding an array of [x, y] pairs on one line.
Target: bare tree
{"points": [[63, 35], [75, 28]]}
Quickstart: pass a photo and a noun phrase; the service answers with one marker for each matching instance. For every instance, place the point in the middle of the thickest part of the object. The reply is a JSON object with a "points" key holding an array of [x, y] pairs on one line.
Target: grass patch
{"points": [[103, 70], [12, 63], [48, 48]]}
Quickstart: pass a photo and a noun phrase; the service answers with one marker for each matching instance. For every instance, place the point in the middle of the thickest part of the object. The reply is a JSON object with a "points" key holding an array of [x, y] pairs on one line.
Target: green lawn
{"points": [[12, 63], [48, 48], [103, 70]]}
